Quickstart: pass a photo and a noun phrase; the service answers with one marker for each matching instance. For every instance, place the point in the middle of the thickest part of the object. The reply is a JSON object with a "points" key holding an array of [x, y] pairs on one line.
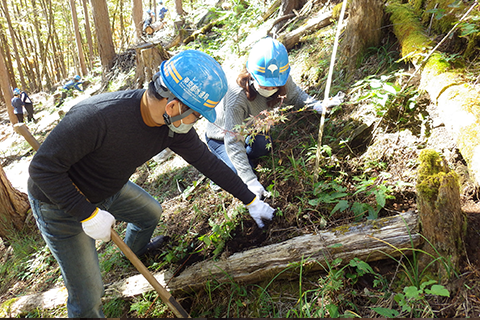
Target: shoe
{"points": [[155, 245]]}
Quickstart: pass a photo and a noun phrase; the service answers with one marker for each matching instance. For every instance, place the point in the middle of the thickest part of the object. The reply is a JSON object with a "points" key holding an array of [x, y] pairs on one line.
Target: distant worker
{"points": [[28, 104], [147, 23], [161, 11], [73, 84], [68, 88], [17, 105]]}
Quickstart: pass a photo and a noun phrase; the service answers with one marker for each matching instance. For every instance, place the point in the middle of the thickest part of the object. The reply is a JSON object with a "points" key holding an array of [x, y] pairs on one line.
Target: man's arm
{"points": [[194, 151]]}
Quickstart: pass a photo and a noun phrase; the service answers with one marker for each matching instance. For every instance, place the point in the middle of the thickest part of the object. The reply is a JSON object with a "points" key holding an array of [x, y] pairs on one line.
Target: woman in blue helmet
{"points": [[259, 87], [79, 178], [17, 105]]}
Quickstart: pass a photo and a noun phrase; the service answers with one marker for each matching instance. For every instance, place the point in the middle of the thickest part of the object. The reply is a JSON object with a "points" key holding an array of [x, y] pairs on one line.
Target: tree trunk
{"points": [[104, 33], [362, 32], [88, 34], [137, 19], [78, 38], [179, 8], [13, 207], [6, 89], [14, 43], [442, 219]]}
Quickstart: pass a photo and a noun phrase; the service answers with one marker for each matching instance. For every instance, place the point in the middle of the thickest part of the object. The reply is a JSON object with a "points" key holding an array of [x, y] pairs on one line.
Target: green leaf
{"points": [[341, 205], [412, 292], [438, 290], [385, 312]]}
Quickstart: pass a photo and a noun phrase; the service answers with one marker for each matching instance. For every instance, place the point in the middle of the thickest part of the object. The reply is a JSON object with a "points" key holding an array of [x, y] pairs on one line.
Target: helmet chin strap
{"points": [[169, 120]]}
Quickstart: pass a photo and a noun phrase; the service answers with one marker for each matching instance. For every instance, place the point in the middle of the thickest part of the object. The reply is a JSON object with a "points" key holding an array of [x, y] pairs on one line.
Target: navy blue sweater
{"points": [[98, 145]]}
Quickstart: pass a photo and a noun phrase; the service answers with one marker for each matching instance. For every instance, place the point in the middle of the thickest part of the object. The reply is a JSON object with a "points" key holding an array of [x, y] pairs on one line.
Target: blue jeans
{"points": [[75, 252], [254, 150]]}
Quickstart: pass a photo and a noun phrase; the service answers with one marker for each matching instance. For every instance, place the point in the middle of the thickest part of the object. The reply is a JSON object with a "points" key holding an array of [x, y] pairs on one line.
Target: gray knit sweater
{"points": [[234, 109]]}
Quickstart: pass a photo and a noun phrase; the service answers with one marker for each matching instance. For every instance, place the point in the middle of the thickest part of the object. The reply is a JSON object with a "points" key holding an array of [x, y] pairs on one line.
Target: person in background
{"points": [[79, 178], [263, 85], [148, 20], [27, 103], [73, 84], [17, 105], [161, 11]]}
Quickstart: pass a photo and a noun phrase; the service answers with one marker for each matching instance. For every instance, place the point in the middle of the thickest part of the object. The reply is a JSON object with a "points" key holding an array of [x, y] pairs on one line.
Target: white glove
{"points": [[260, 210], [335, 101], [256, 188], [98, 225]]}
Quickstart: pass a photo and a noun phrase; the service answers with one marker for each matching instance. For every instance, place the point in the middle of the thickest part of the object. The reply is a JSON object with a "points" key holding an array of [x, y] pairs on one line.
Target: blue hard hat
{"points": [[196, 79], [149, 11], [77, 77], [16, 91], [268, 63]]}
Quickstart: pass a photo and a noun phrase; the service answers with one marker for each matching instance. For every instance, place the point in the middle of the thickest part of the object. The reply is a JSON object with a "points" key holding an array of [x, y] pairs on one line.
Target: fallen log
{"points": [[457, 100], [318, 21], [370, 240]]}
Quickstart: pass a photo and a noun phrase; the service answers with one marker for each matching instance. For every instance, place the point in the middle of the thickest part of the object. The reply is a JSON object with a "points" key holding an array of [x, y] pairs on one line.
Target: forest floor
{"points": [[386, 156]]}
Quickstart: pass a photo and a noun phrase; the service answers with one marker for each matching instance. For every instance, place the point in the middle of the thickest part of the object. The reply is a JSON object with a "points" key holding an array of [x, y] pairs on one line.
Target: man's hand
{"points": [[260, 210], [256, 188], [98, 225]]}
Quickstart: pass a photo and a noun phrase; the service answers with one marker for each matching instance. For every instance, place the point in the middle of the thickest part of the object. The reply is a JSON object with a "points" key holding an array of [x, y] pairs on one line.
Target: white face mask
{"points": [[264, 92], [183, 127]]}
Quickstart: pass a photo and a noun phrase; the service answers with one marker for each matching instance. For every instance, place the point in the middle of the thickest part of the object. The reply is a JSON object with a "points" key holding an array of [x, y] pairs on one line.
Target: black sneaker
{"points": [[155, 245]]}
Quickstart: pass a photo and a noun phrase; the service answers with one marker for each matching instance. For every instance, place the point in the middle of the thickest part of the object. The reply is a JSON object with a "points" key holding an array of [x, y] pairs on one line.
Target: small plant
{"points": [[332, 192], [413, 300]]}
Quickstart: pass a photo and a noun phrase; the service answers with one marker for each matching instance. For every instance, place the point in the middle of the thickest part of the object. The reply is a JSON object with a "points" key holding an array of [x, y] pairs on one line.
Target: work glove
{"points": [[256, 188], [335, 101], [98, 225], [260, 210]]}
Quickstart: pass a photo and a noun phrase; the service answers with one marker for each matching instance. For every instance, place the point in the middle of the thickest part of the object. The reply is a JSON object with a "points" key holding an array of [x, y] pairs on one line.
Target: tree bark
{"points": [[286, 8], [88, 34], [78, 38], [443, 221], [6, 89], [14, 43], [179, 8], [362, 32], [13, 207], [320, 20], [104, 33], [137, 18]]}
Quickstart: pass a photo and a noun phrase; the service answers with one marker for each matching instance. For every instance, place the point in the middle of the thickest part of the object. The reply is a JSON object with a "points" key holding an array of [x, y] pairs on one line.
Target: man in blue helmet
{"points": [[79, 178], [27, 103], [73, 84], [263, 85], [17, 105]]}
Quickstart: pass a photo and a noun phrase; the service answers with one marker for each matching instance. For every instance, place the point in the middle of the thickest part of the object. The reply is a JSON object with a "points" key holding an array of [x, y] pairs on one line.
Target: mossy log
{"points": [[369, 241], [443, 222], [458, 102]]}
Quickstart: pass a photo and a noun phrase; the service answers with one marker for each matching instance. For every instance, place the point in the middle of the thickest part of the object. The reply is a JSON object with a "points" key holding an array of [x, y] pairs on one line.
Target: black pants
{"points": [[29, 107], [20, 117]]}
